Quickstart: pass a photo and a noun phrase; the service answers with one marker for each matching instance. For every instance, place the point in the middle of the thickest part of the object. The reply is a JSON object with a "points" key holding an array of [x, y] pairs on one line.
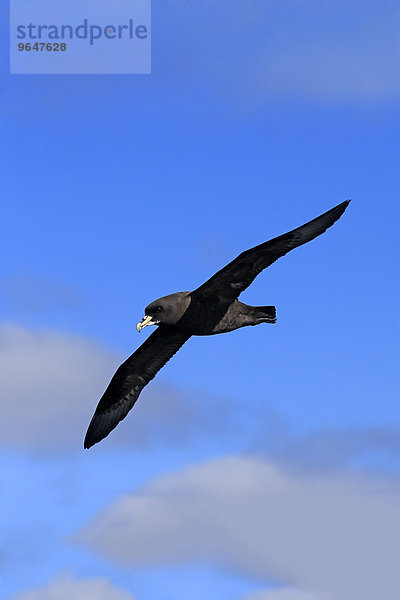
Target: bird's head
{"points": [[166, 310]]}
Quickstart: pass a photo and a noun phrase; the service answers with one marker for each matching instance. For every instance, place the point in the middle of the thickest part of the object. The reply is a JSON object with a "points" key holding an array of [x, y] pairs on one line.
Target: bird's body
{"points": [[210, 318], [211, 309]]}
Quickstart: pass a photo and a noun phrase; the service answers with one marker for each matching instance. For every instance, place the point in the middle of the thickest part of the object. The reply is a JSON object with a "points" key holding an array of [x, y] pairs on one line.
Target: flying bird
{"points": [[210, 309]]}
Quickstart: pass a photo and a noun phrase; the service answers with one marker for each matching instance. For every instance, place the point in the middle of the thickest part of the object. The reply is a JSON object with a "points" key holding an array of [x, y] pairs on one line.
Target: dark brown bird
{"points": [[210, 309]]}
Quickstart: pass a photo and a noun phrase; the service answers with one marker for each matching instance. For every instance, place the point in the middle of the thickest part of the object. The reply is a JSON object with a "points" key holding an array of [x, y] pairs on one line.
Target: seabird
{"points": [[210, 309]]}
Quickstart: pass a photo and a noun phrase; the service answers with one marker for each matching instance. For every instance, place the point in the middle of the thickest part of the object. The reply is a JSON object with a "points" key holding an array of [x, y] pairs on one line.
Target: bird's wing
{"points": [[129, 380], [235, 277]]}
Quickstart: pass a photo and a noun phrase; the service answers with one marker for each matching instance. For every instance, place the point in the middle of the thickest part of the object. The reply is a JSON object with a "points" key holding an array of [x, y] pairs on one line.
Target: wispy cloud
{"points": [[50, 383], [334, 448], [281, 593], [32, 294], [257, 51], [335, 535], [67, 587]]}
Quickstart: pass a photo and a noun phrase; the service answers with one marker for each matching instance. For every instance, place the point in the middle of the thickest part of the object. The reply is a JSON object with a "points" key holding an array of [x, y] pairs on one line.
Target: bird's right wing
{"points": [[235, 277], [129, 380]]}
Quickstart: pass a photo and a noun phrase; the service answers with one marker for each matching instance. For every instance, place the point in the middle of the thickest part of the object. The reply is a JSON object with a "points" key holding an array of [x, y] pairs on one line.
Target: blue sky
{"points": [[257, 117]]}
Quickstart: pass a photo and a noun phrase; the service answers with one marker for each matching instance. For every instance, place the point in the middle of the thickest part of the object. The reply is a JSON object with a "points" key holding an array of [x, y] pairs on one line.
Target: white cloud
{"points": [[70, 588], [49, 385], [326, 535]]}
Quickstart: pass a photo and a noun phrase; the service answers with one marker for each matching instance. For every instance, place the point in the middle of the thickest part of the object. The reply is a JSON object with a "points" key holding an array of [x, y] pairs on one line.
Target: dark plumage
{"points": [[210, 309]]}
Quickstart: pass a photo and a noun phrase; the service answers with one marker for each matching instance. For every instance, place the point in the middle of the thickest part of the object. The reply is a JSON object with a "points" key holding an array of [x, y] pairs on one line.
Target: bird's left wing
{"points": [[129, 380], [235, 277]]}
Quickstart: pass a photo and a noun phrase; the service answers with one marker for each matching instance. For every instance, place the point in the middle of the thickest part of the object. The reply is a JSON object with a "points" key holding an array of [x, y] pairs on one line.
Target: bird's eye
{"points": [[159, 308]]}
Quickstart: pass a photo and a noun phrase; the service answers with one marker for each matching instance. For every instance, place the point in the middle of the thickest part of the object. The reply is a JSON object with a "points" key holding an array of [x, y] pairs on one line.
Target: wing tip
{"points": [[93, 438], [90, 440], [333, 214], [342, 207], [96, 431], [345, 203], [103, 422]]}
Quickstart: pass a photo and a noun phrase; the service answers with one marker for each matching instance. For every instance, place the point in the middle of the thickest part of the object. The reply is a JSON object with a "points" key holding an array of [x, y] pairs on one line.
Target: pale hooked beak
{"points": [[146, 321]]}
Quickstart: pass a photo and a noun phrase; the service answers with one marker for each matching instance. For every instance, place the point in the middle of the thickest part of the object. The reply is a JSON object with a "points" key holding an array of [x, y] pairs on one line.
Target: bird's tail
{"points": [[265, 314]]}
